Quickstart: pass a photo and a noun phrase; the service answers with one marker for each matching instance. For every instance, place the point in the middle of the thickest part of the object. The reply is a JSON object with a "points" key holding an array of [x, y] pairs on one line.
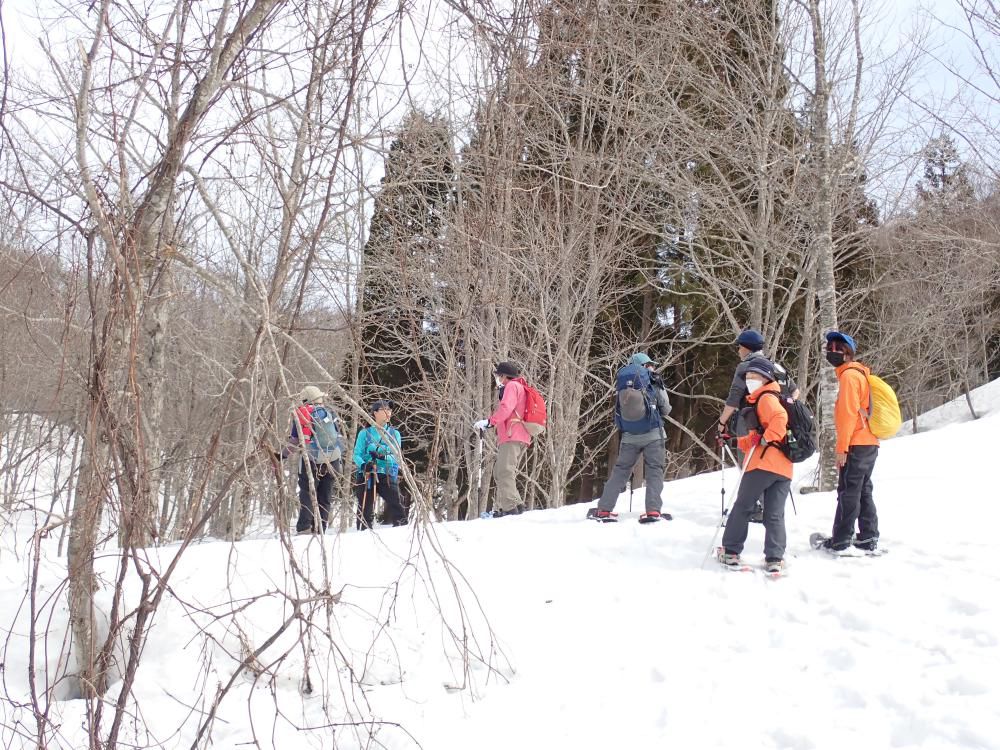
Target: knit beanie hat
{"points": [[751, 339]]}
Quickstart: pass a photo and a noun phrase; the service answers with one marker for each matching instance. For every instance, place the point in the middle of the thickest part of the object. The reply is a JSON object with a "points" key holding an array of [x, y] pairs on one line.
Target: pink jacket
{"points": [[506, 417]]}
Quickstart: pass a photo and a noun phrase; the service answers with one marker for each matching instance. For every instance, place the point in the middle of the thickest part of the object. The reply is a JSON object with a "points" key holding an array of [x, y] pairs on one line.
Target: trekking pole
{"points": [[722, 473], [364, 501], [629, 493], [725, 511], [479, 480], [366, 498], [732, 456]]}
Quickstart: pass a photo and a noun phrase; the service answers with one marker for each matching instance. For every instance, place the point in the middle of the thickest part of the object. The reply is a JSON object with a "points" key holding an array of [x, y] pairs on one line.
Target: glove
{"points": [[721, 428], [380, 453], [755, 440], [482, 424]]}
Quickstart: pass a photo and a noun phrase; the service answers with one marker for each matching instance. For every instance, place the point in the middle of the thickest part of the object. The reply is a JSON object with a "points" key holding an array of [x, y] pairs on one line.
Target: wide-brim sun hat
{"points": [[311, 394]]}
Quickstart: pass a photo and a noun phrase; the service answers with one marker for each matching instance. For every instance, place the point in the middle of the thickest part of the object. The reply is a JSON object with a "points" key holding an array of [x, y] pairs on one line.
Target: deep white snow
{"points": [[602, 636]]}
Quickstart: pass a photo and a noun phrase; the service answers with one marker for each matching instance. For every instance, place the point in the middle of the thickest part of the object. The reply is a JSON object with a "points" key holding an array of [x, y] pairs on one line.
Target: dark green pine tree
{"points": [[399, 263], [727, 89]]}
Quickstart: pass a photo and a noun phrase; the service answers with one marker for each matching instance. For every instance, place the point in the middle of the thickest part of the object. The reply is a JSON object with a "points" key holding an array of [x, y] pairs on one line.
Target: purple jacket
{"points": [[507, 417]]}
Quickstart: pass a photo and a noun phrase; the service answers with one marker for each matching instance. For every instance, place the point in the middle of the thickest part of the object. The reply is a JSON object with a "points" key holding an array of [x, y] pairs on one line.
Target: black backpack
{"points": [[800, 439], [780, 376]]}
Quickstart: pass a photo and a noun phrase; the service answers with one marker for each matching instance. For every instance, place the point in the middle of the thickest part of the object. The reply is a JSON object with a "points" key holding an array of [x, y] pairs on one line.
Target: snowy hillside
{"points": [[606, 636]]}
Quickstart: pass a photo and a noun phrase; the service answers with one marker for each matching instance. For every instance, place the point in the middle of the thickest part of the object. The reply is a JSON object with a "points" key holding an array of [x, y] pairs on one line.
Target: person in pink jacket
{"points": [[512, 438]]}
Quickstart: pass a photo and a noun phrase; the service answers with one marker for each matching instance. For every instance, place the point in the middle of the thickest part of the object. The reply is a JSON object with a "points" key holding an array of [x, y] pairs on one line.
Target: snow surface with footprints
{"points": [[617, 635]]}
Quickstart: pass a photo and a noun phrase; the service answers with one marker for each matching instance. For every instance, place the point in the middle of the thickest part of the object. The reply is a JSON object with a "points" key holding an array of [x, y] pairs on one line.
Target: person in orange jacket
{"points": [[857, 449], [767, 471]]}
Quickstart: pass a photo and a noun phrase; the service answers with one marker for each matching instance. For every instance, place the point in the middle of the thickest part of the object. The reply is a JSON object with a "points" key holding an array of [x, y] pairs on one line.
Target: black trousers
{"points": [[314, 479], [367, 488], [854, 498]]}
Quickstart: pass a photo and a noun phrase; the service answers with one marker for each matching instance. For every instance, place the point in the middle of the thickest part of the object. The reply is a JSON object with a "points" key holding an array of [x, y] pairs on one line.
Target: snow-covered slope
{"points": [[985, 400], [603, 636]]}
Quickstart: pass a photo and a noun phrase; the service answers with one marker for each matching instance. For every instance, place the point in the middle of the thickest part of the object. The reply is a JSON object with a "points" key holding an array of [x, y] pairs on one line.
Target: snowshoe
{"points": [[816, 540], [774, 568], [869, 545], [653, 516], [731, 561], [823, 543], [604, 516], [516, 511]]}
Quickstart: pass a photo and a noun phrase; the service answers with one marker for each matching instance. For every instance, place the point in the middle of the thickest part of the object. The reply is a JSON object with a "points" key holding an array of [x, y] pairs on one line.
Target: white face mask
{"points": [[753, 385], [499, 381]]}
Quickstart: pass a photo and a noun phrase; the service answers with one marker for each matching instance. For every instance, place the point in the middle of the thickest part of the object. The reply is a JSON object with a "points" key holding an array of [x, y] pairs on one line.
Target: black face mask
{"points": [[835, 358]]}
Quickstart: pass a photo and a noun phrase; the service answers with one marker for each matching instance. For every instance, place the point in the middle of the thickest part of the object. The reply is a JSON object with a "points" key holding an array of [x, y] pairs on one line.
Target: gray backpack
{"points": [[324, 446]]}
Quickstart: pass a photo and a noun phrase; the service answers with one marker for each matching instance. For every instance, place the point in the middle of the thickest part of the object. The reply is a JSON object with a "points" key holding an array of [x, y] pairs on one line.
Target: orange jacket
{"points": [[774, 420], [850, 413]]}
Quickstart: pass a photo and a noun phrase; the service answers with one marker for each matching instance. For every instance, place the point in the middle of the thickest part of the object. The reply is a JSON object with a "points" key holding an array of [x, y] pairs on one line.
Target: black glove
{"points": [[380, 453]]}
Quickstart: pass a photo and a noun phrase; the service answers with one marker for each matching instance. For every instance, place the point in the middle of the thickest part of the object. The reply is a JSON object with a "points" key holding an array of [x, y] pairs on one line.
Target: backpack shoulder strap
{"points": [[757, 402], [757, 414], [858, 368]]}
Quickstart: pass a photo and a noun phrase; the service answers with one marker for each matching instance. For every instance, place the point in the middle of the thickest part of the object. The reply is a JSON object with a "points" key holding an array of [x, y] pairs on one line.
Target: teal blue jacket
{"points": [[370, 443]]}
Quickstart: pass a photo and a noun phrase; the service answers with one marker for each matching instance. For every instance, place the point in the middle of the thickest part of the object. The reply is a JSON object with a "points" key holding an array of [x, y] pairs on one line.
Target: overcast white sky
{"points": [[429, 62]]}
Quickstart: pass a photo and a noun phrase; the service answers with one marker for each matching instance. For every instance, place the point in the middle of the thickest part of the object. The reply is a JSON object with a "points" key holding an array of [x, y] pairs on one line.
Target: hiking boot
{"points": [[516, 511], [757, 514], [729, 559], [868, 545], [606, 516], [774, 565], [652, 516], [839, 549]]}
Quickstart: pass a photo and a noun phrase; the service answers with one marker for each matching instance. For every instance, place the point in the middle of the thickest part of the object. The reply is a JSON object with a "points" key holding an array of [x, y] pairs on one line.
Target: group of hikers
{"points": [[760, 427], [315, 429], [767, 464]]}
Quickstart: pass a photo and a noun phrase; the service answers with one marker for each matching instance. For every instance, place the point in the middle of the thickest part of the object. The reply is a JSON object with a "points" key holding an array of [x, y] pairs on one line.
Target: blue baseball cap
{"points": [[832, 336], [751, 339]]}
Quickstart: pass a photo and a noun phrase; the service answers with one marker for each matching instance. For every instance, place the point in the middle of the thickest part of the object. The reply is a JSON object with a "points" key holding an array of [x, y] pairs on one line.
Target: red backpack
{"points": [[535, 414]]}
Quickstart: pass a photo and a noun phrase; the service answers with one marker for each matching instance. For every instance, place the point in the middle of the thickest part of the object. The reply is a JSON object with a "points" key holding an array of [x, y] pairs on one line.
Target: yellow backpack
{"points": [[884, 419]]}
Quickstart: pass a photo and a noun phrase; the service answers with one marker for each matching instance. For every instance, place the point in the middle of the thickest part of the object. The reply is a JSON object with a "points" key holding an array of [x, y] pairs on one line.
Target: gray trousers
{"points": [[775, 489], [655, 455], [505, 473]]}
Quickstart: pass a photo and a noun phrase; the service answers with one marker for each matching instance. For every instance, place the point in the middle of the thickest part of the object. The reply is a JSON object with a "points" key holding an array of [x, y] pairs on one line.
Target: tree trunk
{"points": [[85, 519], [826, 288]]}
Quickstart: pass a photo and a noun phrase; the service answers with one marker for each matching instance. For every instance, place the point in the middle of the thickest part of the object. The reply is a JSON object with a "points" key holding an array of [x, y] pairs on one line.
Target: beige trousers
{"points": [[505, 472]]}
